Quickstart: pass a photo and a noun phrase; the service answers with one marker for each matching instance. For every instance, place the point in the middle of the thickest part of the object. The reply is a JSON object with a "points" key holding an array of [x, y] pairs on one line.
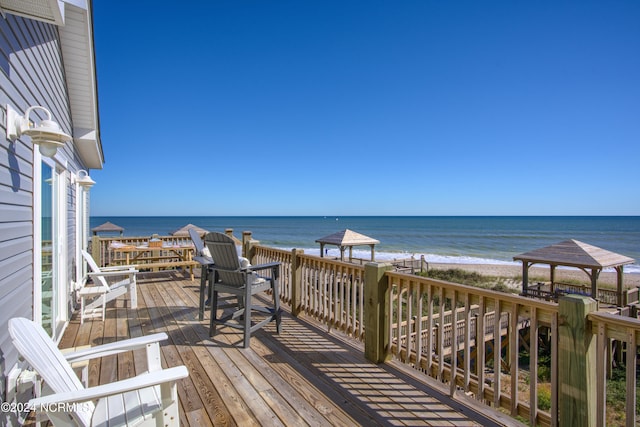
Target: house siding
{"points": [[31, 73]]}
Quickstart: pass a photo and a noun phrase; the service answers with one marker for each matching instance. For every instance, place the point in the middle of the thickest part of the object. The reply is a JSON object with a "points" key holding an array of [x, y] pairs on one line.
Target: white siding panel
{"points": [[12, 213], [15, 304], [14, 230], [31, 73], [22, 276], [8, 196], [9, 249], [15, 178]]}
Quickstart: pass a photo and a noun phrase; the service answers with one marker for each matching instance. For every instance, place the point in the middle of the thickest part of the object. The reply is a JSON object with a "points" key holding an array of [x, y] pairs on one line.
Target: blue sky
{"points": [[368, 107]]}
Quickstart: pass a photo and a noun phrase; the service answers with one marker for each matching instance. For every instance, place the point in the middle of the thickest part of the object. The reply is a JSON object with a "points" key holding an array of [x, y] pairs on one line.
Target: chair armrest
{"points": [[119, 268], [93, 290], [113, 273], [115, 347], [203, 260], [141, 381], [273, 266], [262, 266]]}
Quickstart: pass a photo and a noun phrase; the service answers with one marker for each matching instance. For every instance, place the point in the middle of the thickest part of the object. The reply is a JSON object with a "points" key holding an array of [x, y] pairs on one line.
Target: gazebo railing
{"points": [[551, 292]]}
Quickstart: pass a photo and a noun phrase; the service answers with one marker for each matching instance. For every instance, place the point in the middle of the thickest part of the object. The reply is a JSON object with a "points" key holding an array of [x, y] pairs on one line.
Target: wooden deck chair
{"points": [[106, 290], [230, 276], [149, 399]]}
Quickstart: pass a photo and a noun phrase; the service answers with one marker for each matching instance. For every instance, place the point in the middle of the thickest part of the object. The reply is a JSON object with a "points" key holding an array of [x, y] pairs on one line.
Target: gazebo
{"points": [[573, 253], [107, 227], [347, 239], [184, 231]]}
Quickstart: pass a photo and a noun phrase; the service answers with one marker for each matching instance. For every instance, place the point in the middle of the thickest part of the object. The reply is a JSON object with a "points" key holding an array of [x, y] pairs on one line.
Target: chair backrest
{"points": [[39, 350], [224, 252], [94, 267]]}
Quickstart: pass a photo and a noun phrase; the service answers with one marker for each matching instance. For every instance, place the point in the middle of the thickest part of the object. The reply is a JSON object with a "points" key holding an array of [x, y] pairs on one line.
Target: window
{"points": [[49, 257]]}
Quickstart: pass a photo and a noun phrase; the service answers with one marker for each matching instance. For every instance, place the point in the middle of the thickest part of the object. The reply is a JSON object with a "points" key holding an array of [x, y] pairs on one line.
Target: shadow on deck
{"points": [[305, 376]]}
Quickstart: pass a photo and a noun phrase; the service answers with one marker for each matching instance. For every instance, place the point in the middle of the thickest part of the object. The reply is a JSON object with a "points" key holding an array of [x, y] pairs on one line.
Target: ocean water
{"points": [[447, 239]]}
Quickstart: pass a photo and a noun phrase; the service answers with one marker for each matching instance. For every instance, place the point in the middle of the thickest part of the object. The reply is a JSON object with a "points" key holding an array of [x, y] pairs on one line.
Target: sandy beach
{"points": [[540, 273]]}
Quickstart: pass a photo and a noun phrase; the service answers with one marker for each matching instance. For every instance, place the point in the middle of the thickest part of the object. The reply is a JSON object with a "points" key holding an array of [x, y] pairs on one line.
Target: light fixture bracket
{"points": [[47, 134]]}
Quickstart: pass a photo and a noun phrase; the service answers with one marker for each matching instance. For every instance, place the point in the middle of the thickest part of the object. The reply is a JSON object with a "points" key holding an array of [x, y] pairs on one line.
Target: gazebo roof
{"points": [[107, 226], [184, 231], [347, 238], [573, 253]]}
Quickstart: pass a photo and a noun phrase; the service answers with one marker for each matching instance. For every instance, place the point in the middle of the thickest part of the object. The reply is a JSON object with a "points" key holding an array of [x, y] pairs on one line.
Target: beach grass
{"points": [[473, 278]]}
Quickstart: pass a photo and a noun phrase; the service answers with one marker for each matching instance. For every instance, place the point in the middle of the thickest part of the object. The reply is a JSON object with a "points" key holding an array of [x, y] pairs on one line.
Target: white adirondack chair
{"points": [[93, 299], [149, 399]]}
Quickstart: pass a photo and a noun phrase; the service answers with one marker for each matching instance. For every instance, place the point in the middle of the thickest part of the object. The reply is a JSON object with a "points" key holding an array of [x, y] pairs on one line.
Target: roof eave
{"points": [[78, 54]]}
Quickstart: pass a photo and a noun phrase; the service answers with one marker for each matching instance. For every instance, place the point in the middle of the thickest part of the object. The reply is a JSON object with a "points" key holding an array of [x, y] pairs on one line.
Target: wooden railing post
{"points": [[296, 281], [247, 245], [376, 312], [229, 232], [577, 361]]}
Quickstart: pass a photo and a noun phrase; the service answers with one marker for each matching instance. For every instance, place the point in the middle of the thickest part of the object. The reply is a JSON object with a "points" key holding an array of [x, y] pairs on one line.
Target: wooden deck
{"points": [[305, 376]]}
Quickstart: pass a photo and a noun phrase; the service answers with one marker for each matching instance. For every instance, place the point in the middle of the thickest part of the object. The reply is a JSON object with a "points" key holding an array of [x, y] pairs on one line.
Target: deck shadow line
{"points": [[347, 376]]}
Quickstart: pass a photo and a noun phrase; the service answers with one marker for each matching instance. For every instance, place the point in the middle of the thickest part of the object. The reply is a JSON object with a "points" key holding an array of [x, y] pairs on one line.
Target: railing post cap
{"points": [[575, 298], [378, 264]]}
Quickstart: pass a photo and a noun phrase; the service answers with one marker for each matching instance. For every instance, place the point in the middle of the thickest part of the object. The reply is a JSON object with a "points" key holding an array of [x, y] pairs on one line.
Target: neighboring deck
{"points": [[305, 376]]}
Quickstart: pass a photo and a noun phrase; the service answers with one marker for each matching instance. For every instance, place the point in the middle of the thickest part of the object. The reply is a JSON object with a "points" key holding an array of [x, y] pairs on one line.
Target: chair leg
{"points": [[275, 291], [82, 310], [214, 310], [247, 317], [133, 292], [203, 284]]}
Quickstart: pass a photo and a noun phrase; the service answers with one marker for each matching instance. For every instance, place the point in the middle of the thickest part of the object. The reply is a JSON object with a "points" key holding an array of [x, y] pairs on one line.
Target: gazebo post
{"points": [[525, 277], [594, 283], [372, 253], [620, 277], [341, 253], [350, 253], [552, 278], [321, 250]]}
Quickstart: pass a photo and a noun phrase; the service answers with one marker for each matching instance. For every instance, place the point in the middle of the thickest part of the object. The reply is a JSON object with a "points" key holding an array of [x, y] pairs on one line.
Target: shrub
{"points": [[457, 275], [544, 399]]}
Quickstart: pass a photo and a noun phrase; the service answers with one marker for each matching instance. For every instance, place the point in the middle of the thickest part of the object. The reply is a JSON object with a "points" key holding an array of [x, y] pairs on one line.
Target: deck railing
{"points": [[467, 357], [625, 330], [266, 254], [498, 349], [332, 292], [104, 254], [329, 290]]}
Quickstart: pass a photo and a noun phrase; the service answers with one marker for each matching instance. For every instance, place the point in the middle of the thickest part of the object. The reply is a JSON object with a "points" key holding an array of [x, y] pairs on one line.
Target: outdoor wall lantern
{"points": [[47, 135], [84, 180]]}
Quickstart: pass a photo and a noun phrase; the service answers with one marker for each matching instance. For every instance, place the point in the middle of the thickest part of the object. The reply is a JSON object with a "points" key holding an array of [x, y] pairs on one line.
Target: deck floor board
{"points": [[304, 376]]}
